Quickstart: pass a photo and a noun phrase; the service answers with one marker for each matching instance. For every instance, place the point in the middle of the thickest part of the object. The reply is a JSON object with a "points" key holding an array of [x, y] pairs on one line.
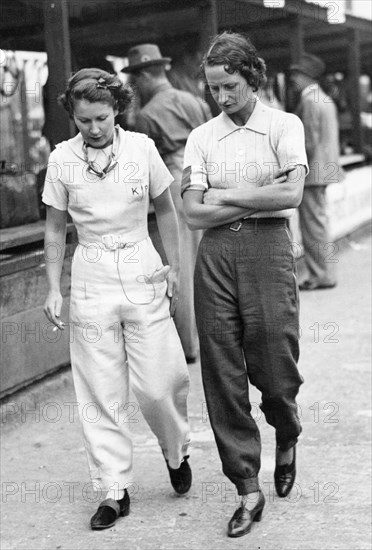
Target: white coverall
{"points": [[122, 331]]}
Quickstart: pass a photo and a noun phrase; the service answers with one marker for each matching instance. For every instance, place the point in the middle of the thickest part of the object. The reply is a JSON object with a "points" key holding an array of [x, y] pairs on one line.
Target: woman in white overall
{"points": [[122, 297]]}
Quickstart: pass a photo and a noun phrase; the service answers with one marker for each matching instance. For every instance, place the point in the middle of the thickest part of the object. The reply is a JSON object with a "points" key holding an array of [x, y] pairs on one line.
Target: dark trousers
{"points": [[246, 305]]}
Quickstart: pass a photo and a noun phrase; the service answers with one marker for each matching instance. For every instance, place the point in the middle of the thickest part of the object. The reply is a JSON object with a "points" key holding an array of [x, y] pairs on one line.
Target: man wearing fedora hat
{"points": [[319, 116], [168, 115]]}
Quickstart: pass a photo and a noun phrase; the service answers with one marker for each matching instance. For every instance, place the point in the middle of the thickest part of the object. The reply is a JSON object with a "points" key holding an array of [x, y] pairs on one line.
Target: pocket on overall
{"points": [[154, 272], [85, 304]]}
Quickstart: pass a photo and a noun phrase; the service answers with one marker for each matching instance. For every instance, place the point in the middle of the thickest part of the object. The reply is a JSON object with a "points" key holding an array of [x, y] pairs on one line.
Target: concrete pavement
{"points": [[46, 494]]}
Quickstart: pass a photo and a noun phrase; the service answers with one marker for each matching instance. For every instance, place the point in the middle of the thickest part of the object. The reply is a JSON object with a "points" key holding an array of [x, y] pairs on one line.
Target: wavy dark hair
{"points": [[96, 85], [237, 54]]}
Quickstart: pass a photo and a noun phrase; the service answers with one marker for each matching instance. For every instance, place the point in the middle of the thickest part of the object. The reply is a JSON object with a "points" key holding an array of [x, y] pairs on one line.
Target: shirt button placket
{"points": [[240, 150], [241, 154]]}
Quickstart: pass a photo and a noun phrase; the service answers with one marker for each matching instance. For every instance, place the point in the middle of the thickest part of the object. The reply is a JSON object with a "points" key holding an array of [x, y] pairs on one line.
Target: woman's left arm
{"points": [[277, 196], [166, 218]]}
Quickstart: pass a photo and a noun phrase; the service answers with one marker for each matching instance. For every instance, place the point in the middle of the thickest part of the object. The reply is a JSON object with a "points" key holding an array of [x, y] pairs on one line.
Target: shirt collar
{"points": [[257, 122], [76, 143]]}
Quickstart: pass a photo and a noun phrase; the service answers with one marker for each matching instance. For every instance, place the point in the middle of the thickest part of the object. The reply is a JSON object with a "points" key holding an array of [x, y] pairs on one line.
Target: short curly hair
{"points": [[236, 53], [96, 85]]}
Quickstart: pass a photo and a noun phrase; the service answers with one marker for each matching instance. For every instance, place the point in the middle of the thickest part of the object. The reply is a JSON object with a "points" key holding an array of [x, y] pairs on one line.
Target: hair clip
{"points": [[101, 83]]}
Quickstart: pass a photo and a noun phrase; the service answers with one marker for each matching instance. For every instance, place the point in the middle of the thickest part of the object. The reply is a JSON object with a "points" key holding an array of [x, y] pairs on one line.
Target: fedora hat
{"points": [[144, 55], [310, 65]]}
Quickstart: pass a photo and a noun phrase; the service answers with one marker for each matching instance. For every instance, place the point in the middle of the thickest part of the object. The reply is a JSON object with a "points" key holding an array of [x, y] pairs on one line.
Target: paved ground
{"points": [[46, 496]]}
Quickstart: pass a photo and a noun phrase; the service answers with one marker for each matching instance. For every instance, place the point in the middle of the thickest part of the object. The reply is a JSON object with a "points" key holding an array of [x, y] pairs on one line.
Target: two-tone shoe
{"points": [[241, 522], [108, 512]]}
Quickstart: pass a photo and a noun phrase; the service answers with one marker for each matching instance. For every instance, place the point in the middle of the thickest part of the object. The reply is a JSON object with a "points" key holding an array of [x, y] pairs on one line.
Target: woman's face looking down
{"points": [[95, 121], [231, 92]]}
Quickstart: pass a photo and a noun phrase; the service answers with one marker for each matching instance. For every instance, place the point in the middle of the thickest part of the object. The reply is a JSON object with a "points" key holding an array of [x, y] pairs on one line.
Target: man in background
{"points": [[319, 116], [168, 115]]}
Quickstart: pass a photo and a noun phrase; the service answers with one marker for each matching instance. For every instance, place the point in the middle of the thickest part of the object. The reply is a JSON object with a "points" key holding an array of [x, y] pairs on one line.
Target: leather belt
{"points": [[256, 222]]}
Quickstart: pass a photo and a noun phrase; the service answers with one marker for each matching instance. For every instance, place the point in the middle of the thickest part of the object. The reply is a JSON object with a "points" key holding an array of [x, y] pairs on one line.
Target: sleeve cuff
{"points": [[293, 164], [161, 190], [187, 184], [54, 204]]}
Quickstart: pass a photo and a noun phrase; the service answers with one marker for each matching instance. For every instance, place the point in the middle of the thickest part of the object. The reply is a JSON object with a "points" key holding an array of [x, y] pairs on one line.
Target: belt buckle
{"points": [[236, 226], [111, 241]]}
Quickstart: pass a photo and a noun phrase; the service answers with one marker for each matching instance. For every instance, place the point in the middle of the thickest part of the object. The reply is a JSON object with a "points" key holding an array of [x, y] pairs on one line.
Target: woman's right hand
{"points": [[282, 174], [52, 308]]}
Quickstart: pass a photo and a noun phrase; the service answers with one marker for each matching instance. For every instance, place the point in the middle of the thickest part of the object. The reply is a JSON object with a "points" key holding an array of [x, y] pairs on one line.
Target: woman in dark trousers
{"points": [[244, 175]]}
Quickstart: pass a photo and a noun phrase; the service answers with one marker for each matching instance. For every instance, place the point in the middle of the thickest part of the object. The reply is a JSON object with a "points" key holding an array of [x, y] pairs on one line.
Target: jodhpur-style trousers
{"points": [[246, 305], [123, 336]]}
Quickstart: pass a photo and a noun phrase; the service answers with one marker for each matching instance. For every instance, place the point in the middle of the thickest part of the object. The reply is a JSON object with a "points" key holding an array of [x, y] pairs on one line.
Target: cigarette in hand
{"points": [[61, 324]]}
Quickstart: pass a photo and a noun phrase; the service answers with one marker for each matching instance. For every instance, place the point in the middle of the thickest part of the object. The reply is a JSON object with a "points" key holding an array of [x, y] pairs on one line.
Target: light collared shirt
{"points": [[116, 204], [223, 155]]}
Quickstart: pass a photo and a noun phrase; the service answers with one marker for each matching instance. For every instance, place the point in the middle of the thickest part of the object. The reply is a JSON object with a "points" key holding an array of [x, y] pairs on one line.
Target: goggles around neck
{"points": [[93, 167]]}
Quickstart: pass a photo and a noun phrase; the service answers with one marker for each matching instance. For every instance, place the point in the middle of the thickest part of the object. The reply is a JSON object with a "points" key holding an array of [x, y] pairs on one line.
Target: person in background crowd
{"points": [[334, 87], [244, 174], [185, 72], [167, 116], [267, 95], [319, 116], [122, 297]]}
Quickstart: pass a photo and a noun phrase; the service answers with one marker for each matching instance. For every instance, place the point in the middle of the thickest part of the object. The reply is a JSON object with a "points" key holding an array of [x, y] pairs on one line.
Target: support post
{"points": [[354, 77], [207, 29], [58, 126], [296, 39], [208, 23], [26, 142], [296, 49]]}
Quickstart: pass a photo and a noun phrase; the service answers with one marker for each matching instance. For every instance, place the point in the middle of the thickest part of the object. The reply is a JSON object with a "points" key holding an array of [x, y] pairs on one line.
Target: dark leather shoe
{"points": [[108, 512], [181, 478], [284, 476], [241, 522]]}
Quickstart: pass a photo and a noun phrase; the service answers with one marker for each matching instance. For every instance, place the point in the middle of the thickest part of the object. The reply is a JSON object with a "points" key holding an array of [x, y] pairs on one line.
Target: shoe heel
{"points": [[258, 516], [125, 512]]}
